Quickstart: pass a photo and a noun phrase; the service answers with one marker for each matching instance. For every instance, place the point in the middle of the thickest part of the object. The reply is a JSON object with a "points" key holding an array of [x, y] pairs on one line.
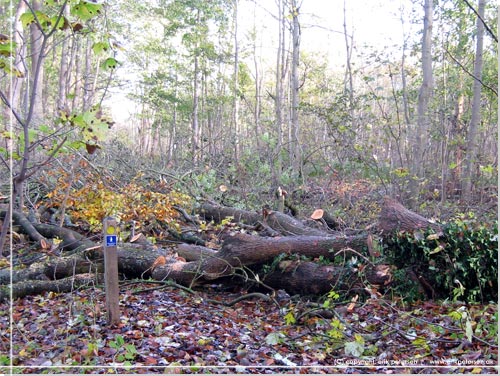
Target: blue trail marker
{"points": [[110, 229]]}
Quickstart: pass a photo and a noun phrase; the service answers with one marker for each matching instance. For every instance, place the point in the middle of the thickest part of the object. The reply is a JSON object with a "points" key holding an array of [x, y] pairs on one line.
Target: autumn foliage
{"points": [[89, 197]]}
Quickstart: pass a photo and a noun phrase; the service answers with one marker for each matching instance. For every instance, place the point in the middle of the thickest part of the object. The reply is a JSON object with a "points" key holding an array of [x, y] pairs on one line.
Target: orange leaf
{"points": [[150, 361]]}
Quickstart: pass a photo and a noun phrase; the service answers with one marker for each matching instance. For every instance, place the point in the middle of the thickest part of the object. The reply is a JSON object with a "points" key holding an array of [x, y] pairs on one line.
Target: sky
{"points": [[374, 22]]}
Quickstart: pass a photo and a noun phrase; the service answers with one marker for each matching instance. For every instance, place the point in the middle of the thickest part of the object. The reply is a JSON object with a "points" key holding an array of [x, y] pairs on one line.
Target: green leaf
{"points": [[45, 129], [422, 343], [86, 11], [335, 334], [7, 47], [59, 23], [438, 249], [354, 348], [27, 18], [110, 63], [359, 338], [9, 68], [274, 338], [290, 318], [333, 295], [100, 47]]}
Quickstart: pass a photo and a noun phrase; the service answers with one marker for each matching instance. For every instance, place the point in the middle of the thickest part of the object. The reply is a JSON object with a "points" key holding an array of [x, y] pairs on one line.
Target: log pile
{"points": [[274, 249]]}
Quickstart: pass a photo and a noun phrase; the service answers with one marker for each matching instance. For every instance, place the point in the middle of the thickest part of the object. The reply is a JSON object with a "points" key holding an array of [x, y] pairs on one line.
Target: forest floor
{"points": [[167, 330]]}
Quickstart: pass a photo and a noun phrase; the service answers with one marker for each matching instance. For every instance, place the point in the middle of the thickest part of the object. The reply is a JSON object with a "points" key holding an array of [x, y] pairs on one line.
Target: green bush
{"points": [[460, 264]]}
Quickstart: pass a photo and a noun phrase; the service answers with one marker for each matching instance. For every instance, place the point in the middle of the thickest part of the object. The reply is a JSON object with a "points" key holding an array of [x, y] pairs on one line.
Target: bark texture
{"points": [[297, 246]]}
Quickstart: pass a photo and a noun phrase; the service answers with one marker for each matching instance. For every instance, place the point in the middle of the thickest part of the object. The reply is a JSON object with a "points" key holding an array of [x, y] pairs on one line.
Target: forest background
{"points": [[148, 111], [232, 99]]}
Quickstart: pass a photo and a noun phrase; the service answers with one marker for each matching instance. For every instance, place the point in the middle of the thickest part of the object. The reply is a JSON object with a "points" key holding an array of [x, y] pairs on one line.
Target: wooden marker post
{"points": [[110, 229]]}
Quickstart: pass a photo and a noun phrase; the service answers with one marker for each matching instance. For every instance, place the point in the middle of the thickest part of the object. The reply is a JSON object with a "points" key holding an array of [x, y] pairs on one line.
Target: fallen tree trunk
{"points": [[193, 264], [218, 213], [281, 223], [133, 262], [31, 287], [52, 268], [395, 217], [311, 278], [242, 250]]}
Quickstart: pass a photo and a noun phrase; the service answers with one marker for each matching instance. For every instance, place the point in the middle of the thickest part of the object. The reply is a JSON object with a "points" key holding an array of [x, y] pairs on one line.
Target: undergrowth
{"points": [[459, 264]]}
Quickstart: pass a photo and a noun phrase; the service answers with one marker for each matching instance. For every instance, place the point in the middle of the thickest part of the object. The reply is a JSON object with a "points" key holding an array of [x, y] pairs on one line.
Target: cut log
{"points": [[218, 213], [311, 278], [279, 222], [51, 268], [246, 250], [395, 217], [193, 252], [31, 287], [287, 225], [323, 215], [199, 264], [72, 241]]}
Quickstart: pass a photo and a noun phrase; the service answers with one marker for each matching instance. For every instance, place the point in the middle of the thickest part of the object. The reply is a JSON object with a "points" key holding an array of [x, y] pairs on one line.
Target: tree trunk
{"points": [[236, 89], [279, 95], [281, 223], [296, 150], [31, 287], [64, 73], [195, 136], [476, 106], [306, 278], [258, 85], [19, 64], [424, 96], [242, 250], [395, 217], [38, 41], [240, 254]]}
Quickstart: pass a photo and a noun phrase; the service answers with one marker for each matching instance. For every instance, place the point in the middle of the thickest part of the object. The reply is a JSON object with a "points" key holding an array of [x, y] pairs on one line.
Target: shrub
{"points": [[461, 264]]}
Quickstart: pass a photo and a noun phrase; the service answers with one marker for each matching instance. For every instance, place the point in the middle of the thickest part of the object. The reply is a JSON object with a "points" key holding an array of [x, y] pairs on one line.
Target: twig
{"points": [[165, 284], [470, 74], [345, 250], [481, 18]]}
